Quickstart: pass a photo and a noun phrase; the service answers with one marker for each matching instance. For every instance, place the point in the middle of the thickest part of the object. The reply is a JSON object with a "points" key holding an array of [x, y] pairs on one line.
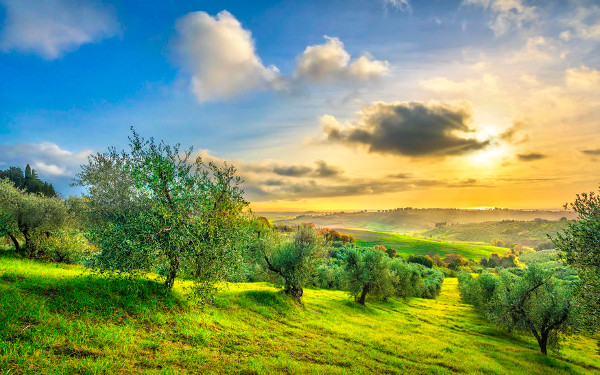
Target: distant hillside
{"points": [[407, 245], [527, 233], [410, 221]]}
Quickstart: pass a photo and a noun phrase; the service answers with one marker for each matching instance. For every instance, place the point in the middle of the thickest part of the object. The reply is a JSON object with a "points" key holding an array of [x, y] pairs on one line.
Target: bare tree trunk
{"points": [[363, 295], [543, 342], [14, 240], [295, 291], [174, 267]]}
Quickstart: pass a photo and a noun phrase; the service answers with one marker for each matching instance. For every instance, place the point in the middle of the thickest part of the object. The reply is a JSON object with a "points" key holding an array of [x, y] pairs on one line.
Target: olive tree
{"points": [[294, 261], [535, 303], [368, 273], [29, 216], [580, 243], [156, 208]]}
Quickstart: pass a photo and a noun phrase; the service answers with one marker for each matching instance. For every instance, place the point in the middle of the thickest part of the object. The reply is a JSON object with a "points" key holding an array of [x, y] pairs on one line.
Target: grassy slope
{"points": [[54, 320], [407, 245], [529, 233]]}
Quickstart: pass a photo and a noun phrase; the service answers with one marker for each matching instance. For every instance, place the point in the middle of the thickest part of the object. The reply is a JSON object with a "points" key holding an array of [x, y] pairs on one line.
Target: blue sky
{"points": [[270, 85]]}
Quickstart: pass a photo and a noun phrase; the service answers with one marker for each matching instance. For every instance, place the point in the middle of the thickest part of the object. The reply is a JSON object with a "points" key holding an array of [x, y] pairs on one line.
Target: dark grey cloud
{"points": [[410, 128], [595, 152], [292, 170], [294, 189], [514, 133], [532, 156], [325, 170], [400, 176], [320, 170]]}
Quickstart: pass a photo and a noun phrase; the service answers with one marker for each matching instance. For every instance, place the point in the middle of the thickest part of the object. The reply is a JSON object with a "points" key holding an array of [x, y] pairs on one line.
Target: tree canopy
{"points": [[156, 208], [28, 181], [580, 243]]}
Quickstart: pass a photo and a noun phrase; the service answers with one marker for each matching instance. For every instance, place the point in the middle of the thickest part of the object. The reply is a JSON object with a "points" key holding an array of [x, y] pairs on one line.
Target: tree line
{"points": [[28, 180]]}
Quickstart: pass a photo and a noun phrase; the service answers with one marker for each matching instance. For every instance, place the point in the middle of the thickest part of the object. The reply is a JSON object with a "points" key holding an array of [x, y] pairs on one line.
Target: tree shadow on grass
{"points": [[267, 303], [98, 296]]}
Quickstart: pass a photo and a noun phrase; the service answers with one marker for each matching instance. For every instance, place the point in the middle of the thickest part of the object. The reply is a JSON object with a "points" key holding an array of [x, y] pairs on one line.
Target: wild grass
{"points": [[528, 233], [57, 319], [407, 245]]}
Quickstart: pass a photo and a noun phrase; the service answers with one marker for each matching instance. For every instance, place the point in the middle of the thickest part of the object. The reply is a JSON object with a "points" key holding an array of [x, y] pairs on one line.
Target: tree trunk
{"points": [[543, 342], [295, 291], [28, 246], [174, 267], [363, 296], [14, 240]]}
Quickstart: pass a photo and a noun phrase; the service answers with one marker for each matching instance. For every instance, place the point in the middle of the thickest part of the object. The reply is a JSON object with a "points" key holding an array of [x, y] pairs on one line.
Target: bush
{"points": [[421, 259], [295, 261], [368, 273], [66, 247]]}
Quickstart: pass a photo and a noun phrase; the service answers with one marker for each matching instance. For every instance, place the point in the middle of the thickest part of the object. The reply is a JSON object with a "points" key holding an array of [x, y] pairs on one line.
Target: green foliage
{"points": [[368, 273], [29, 181], [155, 208], [421, 259], [454, 261], [580, 244], [66, 246], [535, 302], [30, 216], [295, 261]]}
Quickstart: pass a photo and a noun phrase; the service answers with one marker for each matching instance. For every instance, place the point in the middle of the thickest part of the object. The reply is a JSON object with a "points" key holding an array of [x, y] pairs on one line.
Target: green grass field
{"points": [[56, 319], [407, 245], [528, 233]]}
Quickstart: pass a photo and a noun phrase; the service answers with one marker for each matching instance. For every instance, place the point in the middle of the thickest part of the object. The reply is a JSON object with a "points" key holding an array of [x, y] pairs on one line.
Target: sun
{"points": [[490, 156]]}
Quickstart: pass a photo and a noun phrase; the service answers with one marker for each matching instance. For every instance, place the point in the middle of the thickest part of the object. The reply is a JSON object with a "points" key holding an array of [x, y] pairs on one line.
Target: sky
{"points": [[321, 105]]}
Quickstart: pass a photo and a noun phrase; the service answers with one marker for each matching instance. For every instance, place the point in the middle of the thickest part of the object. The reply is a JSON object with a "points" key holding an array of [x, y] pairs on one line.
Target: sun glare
{"points": [[489, 157]]}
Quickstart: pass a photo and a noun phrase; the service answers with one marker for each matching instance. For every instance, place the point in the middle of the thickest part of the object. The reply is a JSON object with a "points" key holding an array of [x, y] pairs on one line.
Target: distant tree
{"points": [[421, 259], [454, 261], [437, 260], [155, 208], [29, 182], [380, 248], [29, 215], [368, 273], [15, 175], [392, 253], [497, 242], [346, 238], [580, 243], [294, 261]]}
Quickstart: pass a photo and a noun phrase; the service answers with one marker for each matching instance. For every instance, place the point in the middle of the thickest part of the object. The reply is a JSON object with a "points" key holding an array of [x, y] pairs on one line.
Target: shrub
{"points": [[368, 273], [295, 261], [421, 259]]}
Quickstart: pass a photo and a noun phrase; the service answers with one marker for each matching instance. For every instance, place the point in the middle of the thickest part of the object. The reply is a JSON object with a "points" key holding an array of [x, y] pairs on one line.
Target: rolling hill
{"points": [[527, 233], [407, 245], [411, 220]]}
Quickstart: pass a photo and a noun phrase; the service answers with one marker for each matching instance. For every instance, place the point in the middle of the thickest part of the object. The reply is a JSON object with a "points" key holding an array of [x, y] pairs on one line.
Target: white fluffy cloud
{"points": [[330, 61], [50, 28], [220, 55], [505, 14], [582, 78], [47, 158]]}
